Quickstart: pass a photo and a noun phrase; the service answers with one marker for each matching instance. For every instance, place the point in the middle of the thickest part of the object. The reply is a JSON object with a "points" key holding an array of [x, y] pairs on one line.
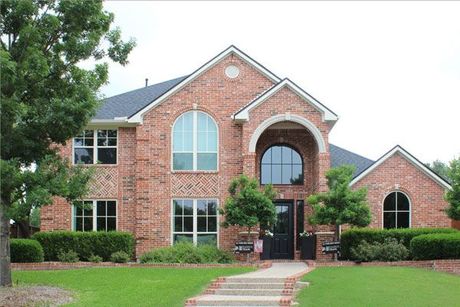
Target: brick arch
{"points": [[292, 118]]}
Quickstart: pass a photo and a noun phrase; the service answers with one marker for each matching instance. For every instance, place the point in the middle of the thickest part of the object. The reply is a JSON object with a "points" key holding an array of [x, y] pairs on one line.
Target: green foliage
{"points": [[436, 246], [440, 168], [102, 244], [184, 252], [389, 250], [247, 205], [453, 196], [34, 217], [68, 256], [119, 257], [26, 250], [340, 205], [95, 258], [353, 237]]}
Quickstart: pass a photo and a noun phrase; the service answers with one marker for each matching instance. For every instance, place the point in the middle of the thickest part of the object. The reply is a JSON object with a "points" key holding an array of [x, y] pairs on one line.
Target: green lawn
{"points": [[379, 286], [128, 286]]}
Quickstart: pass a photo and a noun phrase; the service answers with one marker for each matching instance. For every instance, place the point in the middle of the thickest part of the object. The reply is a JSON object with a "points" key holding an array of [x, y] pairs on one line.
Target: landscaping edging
{"points": [[80, 265], [445, 265]]}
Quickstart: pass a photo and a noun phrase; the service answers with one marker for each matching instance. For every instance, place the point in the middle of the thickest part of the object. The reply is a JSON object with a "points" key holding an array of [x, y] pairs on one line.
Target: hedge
{"points": [[354, 237], [436, 246], [26, 250], [86, 244]]}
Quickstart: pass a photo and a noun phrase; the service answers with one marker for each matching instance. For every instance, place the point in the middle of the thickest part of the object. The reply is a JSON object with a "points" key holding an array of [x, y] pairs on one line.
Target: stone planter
{"points": [[308, 247]]}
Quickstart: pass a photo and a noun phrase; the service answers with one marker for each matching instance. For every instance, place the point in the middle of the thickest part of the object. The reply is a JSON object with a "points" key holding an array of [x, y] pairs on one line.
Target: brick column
{"points": [[322, 237]]}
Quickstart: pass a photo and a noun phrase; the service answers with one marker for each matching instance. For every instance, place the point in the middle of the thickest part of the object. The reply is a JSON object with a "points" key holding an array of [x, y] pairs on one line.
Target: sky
{"points": [[390, 70]]}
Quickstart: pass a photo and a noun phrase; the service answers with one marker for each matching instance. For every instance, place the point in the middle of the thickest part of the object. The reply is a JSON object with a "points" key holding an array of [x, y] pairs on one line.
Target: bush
{"points": [[353, 237], [26, 250], [119, 257], [102, 244], [436, 246], [389, 250], [95, 258], [68, 256], [184, 252]]}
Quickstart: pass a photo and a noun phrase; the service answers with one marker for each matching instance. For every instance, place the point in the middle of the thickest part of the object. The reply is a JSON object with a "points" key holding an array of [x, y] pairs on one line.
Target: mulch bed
{"points": [[34, 295]]}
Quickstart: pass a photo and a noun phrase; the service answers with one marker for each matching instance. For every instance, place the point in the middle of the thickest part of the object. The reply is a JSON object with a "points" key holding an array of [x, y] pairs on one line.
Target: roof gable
{"points": [[414, 161], [327, 114]]}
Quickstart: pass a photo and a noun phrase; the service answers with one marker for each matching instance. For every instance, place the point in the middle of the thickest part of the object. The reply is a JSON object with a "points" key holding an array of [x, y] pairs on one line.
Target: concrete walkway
{"points": [[273, 286]]}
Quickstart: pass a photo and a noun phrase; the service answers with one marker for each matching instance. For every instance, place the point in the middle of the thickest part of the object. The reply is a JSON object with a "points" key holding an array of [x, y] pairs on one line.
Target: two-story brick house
{"points": [[166, 153]]}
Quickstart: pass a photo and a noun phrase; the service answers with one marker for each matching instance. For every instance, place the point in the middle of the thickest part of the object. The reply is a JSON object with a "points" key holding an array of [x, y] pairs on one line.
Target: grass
{"points": [[128, 286], [379, 286]]}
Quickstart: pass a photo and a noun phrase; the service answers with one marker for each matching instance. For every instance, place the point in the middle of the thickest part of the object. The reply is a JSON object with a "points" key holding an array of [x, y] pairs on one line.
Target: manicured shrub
{"points": [[26, 250], [119, 257], [436, 246], [354, 237], [95, 258], [389, 250], [184, 252], [68, 256], [102, 244]]}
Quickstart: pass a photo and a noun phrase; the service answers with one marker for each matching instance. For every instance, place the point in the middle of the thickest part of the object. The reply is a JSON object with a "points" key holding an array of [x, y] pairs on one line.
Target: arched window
{"points": [[195, 142], [280, 164], [396, 211]]}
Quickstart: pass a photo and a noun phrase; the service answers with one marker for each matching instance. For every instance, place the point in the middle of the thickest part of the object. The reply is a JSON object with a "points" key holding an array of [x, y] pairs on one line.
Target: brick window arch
{"points": [[396, 210], [281, 164], [195, 142]]}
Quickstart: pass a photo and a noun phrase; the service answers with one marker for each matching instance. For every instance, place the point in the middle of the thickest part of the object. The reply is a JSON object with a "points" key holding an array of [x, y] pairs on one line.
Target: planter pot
{"points": [[308, 247], [267, 248]]}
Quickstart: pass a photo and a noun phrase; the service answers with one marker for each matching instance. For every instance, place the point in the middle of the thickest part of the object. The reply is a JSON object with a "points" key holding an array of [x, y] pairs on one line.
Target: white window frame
{"points": [[195, 144], [195, 233], [95, 147], [94, 201], [396, 210]]}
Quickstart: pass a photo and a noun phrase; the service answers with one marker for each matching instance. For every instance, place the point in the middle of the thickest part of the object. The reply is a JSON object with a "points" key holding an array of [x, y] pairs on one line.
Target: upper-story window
{"points": [[95, 146], [396, 211], [281, 164], [195, 142]]}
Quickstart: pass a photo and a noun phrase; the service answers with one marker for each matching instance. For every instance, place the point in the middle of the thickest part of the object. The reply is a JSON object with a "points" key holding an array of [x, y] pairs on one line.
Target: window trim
{"points": [[195, 144], [95, 147], [195, 219], [282, 184], [396, 209], [94, 212]]}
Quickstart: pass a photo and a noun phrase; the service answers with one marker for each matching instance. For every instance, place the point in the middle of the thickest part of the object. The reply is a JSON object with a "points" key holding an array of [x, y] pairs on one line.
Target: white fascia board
{"points": [[411, 159], [137, 118], [115, 122], [327, 115]]}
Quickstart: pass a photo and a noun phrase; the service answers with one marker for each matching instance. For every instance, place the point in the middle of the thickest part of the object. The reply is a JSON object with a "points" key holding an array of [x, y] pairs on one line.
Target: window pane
{"points": [[211, 125], [112, 142], [188, 121], [389, 219], [78, 142], [390, 202], [83, 155], [286, 154], [212, 208], [207, 161], [79, 224], [112, 133], [188, 207], [179, 125], [202, 122], [102, 142], [177, 141], [201, 224], [266, 173], [178, 224], [276, 174], [201, 207], [101, 224], [111, 223], [202, 145], [403, 202], [208, 239], [286, 174], [403, 219], [101, 134], [212, 223], [212, 141], [88, 210], [267, 157], [188, 141], [183, 161], [297, 174], [276, 154], [296, 158], [111, 208], [87, 223], [183, 238], [107, 155], [78, 208], [101, 209], [88, 133], [188, 224], [177, 207]]}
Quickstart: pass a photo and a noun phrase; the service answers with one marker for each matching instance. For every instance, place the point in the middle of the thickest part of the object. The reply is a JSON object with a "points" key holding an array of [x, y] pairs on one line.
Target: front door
{"points": [[283, 231]]}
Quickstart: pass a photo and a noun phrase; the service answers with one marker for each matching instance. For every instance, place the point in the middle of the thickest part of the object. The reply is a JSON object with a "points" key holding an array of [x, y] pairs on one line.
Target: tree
{"points": [[340, 205], [453, 195], [47, 98], [440, 168], [248, 206]]}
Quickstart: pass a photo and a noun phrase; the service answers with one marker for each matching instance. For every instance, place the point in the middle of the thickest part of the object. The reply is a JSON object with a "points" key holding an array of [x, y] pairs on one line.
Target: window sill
{"points": [[96, 165], [194, 172]]}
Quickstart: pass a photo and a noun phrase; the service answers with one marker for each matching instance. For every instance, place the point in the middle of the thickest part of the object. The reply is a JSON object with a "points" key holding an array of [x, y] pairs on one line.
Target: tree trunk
{"points": [[24, 228], [5, 263]]}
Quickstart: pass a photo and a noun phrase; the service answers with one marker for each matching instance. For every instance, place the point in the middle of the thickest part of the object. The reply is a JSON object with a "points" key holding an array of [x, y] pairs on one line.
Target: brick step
{"points": [[252, 280], [235, 300], [261, 285], [253, 292]]}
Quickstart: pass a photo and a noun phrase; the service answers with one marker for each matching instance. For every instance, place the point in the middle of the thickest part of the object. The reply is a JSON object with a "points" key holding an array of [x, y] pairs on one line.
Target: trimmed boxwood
{"points": [[353, 237], [436, 246], [26, 250], [86, 244]]}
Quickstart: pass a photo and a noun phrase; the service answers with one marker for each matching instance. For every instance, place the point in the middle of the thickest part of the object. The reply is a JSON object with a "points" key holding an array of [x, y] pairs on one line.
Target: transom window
{"points": [[97, 215], [280, 164], [95, 146], [396, 211], [195, 220], [195, 142]]}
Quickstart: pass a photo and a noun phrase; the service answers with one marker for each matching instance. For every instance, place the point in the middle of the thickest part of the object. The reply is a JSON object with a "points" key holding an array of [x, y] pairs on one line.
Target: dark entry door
{"points": [[283, 232]]}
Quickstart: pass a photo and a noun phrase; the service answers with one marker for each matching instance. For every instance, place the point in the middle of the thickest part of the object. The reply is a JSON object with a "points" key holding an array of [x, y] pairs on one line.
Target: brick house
{"points": [[166, 153]]}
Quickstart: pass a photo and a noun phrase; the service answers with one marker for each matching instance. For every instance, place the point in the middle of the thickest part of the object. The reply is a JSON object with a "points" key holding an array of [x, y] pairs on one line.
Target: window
{"points": [[195, 142], [95, 146], [281, 165], [195, 221], [396, 211], [100, 215]]}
